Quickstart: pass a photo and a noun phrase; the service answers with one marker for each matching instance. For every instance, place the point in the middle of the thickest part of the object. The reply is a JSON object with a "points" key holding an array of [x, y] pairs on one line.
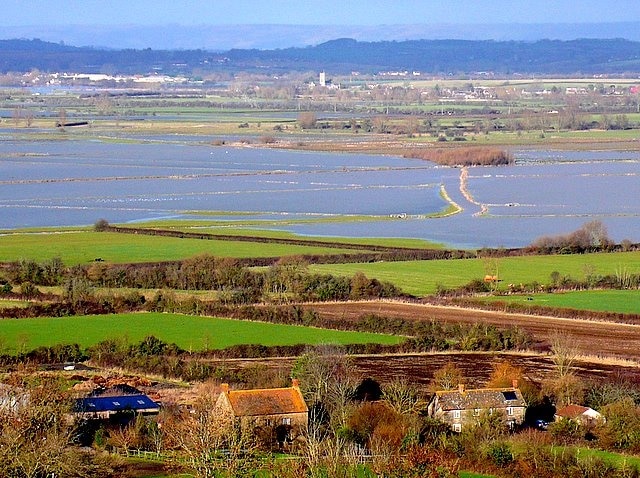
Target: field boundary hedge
{"points": [[535, 310]]}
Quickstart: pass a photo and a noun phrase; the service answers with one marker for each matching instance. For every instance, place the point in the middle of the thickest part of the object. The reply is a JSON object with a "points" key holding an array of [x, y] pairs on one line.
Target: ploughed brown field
{"points": [[419, 368], [606, 339], [597, 340]]}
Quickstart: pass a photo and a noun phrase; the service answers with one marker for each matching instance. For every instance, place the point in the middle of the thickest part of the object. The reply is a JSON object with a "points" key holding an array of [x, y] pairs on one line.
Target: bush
{"points": [[101, 225], [500, 453], [28, 290], [566, 431]]}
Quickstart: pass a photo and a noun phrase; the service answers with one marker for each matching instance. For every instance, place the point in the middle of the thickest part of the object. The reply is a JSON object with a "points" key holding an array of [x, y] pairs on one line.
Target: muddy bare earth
{"points": [[418, 369], [604, 339]]}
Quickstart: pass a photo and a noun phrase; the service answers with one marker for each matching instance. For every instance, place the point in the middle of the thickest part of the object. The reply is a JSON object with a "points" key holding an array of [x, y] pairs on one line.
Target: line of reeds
{"points": [[471, 156]]}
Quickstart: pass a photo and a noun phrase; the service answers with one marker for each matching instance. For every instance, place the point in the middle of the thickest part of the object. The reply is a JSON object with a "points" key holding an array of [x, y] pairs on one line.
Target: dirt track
{"points": [[590, 337]]}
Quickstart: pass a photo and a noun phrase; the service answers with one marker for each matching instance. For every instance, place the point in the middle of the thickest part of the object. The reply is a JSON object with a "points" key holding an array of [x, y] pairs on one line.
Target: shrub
{"points": [[566, 431], [101, 225], [28, 290], [500, 453]]}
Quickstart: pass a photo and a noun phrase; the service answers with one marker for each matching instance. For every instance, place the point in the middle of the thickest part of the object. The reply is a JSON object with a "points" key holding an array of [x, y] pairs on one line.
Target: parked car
{"points": [[542, 424]]}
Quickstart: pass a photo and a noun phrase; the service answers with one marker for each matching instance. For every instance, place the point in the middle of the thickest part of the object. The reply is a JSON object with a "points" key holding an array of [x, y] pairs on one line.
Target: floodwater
{"points": [[73, 182]]}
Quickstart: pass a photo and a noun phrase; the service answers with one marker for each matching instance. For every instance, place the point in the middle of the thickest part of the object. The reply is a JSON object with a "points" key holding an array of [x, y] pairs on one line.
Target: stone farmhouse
{"points": [[277, 412], [461, 408]]}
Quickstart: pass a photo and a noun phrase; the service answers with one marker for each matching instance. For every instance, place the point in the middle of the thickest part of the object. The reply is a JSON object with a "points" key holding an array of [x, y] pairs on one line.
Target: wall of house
{"points": [[464, 418]]}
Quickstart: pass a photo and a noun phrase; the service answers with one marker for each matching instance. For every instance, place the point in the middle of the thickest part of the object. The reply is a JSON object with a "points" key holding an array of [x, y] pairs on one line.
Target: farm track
{"points": [[605, 339]]}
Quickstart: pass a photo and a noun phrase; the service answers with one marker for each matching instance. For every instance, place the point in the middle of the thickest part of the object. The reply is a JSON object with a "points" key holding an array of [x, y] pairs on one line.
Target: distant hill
{"points": [[456, 56], [551, 57], [271, 36]]}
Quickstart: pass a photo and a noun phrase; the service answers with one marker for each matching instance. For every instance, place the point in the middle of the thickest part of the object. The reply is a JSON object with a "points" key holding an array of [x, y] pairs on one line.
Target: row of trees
{"points": [[288, 280], [592, 236]]}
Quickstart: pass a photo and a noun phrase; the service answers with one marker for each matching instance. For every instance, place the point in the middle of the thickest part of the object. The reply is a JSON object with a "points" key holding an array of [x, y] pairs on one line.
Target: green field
{"points": [[243, 229], [623, 301], [77, 247], [616, 459], [422, 277], [7, 303], [188, 332]]}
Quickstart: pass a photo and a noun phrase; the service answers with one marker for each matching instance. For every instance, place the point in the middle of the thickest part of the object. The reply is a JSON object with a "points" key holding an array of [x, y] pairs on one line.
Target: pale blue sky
{"points": [[316, 12]]}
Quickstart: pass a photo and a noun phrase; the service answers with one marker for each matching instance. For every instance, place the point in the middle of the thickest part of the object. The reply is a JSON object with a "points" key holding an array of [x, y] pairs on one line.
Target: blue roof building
{"points": [[105, 407]]}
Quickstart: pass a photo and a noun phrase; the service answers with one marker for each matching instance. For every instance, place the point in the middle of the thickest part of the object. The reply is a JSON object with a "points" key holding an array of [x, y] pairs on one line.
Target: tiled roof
{"points": [[480, 398], [116, 403], [274, 401], [571, 411]]}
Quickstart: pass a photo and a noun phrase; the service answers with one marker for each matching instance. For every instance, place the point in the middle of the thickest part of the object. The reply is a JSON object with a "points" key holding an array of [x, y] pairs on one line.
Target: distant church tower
{"points": [[323, 79]]}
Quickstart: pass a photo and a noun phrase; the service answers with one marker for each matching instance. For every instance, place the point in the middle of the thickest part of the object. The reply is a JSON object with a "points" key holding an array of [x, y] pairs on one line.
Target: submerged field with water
{"points": [[76, 182]]}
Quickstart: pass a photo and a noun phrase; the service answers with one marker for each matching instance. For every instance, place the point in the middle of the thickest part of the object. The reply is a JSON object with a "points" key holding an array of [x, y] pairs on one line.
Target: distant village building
{"points": [[323, 79], [461, 408], [281, 412]]}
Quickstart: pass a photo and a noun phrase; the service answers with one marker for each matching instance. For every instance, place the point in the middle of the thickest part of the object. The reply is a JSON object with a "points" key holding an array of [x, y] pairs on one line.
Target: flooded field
{"points": [[73, 182]]}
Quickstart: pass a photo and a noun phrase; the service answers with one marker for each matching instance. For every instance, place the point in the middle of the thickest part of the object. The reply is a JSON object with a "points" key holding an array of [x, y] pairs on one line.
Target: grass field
{"points": [[77, 247], [616, 459], [188, 332], [422, 277], [623, 301], [218, 228], [6, 303]]}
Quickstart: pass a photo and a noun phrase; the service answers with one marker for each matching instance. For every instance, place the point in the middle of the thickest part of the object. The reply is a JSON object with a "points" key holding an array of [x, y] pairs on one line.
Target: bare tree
{"points": [[204, 434], [564, 352], [325, 381], [62, 119], [36, 438], [404, 398], [448, 377], [307, 119]]}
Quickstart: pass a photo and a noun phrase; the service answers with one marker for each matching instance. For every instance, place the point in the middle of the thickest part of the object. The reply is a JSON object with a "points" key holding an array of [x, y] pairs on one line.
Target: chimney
{"points": [[461, 387], [224, 388], [295, 383], [514, 382]]}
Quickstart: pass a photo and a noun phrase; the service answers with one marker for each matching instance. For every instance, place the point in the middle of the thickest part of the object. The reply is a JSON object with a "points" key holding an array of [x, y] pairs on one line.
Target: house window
{"points": [[456, 414], [510, 411], [457, 427], [476, 412], [286, 421]]}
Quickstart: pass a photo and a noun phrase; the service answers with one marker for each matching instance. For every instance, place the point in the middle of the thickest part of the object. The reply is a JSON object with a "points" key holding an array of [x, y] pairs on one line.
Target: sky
{"points": [[314, 12]]}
